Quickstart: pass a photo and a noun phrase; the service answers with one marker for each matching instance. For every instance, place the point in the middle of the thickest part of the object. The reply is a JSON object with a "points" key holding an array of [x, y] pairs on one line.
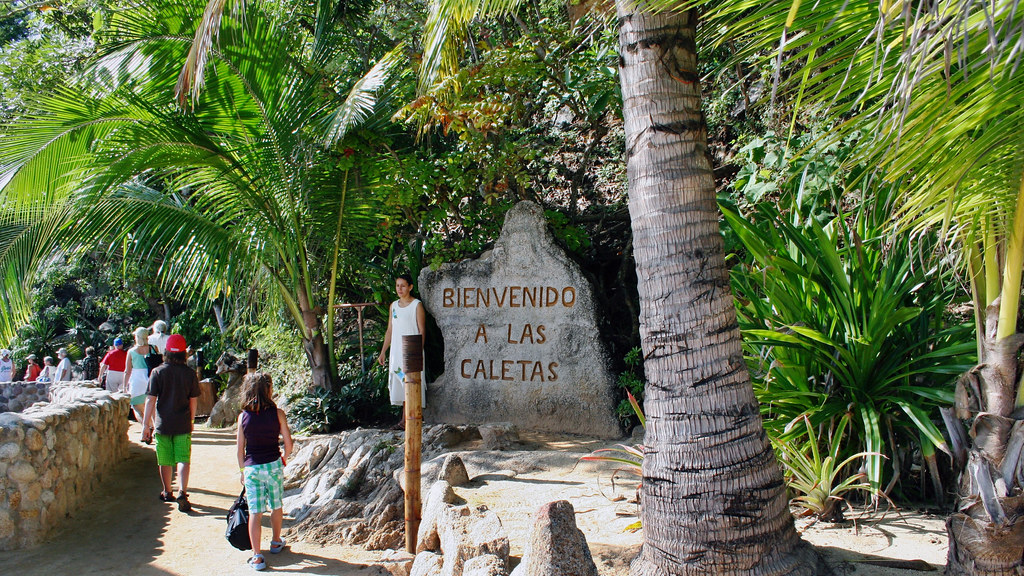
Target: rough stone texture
{"points": [[426, 564], [500, 436], [556, 546], [225, 412], [396, 563], [520, 337], [487, 537], [453, 471], [16, 396], [65, 448], [438, 499], [465, 533], [486, 565]]}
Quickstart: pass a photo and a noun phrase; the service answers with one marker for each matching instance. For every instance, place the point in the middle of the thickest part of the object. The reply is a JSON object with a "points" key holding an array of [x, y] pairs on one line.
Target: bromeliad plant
{"points": [[837, 316], [820, 482]]}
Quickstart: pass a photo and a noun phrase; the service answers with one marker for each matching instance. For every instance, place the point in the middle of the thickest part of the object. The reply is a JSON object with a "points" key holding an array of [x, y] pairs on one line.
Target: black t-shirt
{"points": [[90, 368], [173, 385]]}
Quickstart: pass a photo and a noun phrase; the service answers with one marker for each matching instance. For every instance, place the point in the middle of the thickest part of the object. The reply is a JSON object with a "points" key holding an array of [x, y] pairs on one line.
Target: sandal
{"points": [[183, 504], [257, 562], [276, 546], [166, 497]]}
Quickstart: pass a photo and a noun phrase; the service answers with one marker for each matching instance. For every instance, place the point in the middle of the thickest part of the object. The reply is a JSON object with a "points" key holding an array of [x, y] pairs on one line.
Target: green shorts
{"points": [[172, 449], [264, 486]]}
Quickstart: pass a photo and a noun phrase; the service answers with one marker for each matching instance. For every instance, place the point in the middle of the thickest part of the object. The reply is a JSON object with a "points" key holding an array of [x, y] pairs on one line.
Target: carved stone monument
{"points": [[521, 338]]}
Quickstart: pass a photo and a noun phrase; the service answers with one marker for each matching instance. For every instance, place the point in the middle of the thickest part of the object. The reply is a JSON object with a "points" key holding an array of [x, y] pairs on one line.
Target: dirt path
{"points": [[125, 529]]}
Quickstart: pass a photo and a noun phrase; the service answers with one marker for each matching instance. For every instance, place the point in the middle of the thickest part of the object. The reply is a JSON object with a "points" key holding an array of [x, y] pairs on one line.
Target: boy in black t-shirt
{"points": [[172, 397]]}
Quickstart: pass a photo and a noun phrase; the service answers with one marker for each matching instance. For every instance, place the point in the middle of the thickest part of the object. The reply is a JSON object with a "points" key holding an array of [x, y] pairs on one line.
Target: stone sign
{"points": [[520, 337]]}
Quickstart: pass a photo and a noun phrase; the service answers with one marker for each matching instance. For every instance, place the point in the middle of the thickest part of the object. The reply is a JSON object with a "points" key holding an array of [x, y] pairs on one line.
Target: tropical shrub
{"points": [[838, 316], [819, 482]]}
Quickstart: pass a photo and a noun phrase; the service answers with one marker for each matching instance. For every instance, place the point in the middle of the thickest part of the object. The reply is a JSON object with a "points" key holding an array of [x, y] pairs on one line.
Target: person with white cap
{"points": [[158, 336], [63, 373], [6, 365]]}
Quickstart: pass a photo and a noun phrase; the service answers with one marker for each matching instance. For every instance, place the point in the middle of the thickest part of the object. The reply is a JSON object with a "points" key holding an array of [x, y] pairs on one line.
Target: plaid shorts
{"points": [[264, 486], [173, 448]]}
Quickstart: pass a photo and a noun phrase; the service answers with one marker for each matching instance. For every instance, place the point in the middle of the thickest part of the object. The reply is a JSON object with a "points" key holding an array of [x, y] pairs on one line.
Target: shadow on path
{"points": [[125, 529]]}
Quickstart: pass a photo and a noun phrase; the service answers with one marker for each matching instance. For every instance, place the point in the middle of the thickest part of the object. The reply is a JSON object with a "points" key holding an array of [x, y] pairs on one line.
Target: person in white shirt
{"points": [[158, 336], [63, 372], [6, 365]]}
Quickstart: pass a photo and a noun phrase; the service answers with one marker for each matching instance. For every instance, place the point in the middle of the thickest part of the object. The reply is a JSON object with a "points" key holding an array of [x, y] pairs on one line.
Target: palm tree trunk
{"points": [[986, 533], [713, 498], [313, 344]]}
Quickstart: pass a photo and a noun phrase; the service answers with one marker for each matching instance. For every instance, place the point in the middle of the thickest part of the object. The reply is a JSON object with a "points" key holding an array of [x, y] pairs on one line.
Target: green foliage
{"points": [[316, 411], [838, 316], [633, 383], [574, 237], [820, 482], [361, 399]]}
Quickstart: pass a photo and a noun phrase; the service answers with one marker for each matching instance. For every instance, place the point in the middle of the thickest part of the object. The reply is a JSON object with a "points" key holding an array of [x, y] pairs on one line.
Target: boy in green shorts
{"points": [[172, 397]]}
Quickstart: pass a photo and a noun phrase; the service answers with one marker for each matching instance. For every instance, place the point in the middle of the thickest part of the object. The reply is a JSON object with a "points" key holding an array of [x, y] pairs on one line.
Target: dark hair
{"points": [[89, 351], [178, 357], [406, 277], [256, 392]]}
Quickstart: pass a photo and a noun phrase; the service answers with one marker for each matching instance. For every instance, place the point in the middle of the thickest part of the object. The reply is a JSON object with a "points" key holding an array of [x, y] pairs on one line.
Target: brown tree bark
{"points": [[713, 498], [986, 532], [314, 346]]}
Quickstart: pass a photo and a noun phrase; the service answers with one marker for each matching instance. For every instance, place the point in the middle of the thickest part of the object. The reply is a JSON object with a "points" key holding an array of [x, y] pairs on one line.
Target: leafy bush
{"points": [[361, 399], [840, 316]]}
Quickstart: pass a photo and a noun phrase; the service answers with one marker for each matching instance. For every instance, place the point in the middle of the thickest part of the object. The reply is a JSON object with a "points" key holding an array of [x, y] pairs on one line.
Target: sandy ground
{"points": [[125, 529]]}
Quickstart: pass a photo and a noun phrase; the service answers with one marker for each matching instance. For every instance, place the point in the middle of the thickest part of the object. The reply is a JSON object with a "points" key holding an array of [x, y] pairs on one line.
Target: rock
{"points": [[22, 472], [556, 545], [451, 530], [34, 440], [396, 563], [486, 565], [500, 436], [426, 564], [453, 471], [225, 412], [9, 451], [637, 436], [487, 537], [520, 335], [438, 498]]}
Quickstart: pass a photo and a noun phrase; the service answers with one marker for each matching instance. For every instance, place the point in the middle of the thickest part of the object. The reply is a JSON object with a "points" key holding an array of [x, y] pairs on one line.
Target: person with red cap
{"points": [[172, 397]]}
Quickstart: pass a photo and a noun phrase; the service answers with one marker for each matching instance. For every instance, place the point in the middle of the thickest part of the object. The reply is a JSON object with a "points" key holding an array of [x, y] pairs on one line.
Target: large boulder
{"points": [[521, 345]]}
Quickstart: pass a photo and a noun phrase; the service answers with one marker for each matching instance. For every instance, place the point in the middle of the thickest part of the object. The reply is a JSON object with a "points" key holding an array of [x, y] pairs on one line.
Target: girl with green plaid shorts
{"points": [[260, 426]]}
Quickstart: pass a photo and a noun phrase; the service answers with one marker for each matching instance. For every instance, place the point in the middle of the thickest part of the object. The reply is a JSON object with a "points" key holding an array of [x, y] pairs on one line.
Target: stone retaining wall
{"points": [[16, 396], [52, 456]]}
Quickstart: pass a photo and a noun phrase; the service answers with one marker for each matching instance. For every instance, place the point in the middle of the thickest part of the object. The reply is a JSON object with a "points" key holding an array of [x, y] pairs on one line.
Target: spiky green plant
{"points": [[821, 483]]}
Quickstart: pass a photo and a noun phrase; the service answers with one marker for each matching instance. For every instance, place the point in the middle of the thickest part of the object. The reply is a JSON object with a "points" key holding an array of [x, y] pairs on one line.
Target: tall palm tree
{"points": [[235, 194], [713, 496], [936, 86]]}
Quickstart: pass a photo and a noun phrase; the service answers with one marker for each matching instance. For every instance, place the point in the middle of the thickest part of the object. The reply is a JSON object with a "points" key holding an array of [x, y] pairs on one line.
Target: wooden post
{"points": [[359, 314], [412, 353], [199, 363], [252, 361]]}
